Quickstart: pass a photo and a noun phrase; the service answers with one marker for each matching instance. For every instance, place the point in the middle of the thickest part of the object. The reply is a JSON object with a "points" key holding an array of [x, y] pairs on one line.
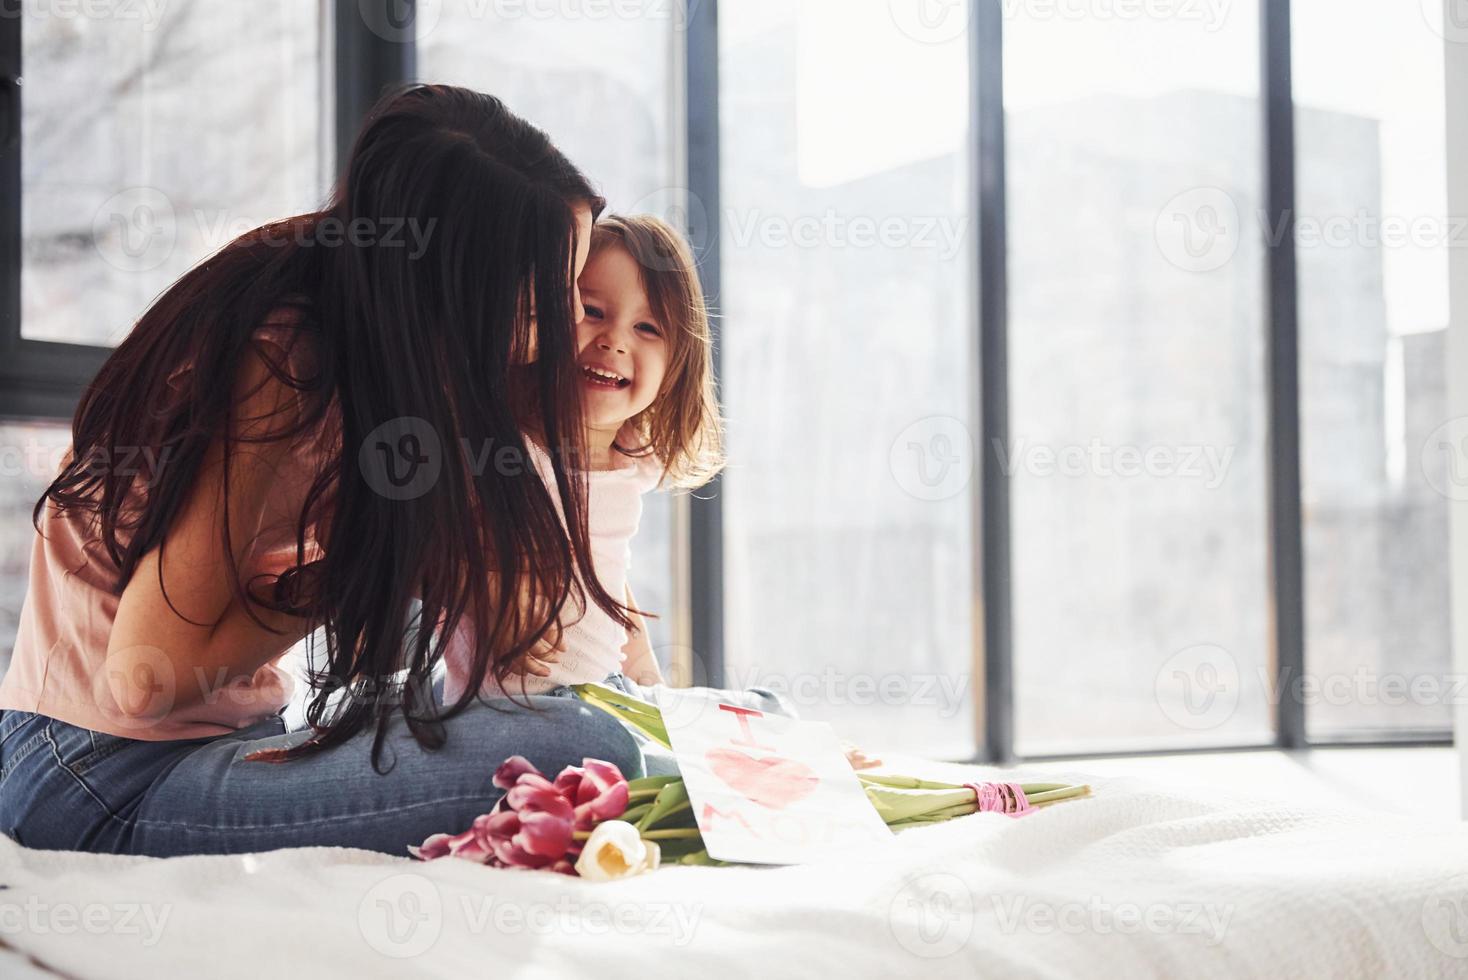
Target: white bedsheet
{"points": [[1141, 880]]}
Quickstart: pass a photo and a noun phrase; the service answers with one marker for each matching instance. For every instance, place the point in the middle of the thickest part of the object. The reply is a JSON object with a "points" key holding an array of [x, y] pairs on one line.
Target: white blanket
{"points": [[1138, 881]]}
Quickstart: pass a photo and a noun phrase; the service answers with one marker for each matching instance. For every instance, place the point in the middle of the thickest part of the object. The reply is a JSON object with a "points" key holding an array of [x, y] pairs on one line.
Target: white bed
{"points": [[1141, 880]]}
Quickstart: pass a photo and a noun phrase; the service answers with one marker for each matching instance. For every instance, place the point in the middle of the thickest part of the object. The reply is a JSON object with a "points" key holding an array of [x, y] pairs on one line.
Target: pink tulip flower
{"points": [[532, 824]]}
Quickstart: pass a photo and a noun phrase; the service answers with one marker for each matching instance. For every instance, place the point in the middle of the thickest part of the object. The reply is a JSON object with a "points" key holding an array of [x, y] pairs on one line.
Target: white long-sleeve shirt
{"points": [[594, 641]]}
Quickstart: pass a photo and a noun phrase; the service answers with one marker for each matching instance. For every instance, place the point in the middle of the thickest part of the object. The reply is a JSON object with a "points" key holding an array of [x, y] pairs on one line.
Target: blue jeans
{"points": [[63, 787]]}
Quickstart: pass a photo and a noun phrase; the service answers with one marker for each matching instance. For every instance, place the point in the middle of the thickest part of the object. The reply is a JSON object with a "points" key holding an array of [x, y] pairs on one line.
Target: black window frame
{"points": [[42, 380], [39, 380]]}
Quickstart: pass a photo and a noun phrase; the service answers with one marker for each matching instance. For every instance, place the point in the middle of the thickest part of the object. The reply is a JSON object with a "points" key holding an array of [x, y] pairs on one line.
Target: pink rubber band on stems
{"points": [[1006, 798]]}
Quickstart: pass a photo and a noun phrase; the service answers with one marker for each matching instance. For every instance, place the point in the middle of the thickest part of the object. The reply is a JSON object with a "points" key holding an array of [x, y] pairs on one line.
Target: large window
{"points": [[152, 135], [601, 82], [846, 261], [1381, 457], [1137, 431], [1141, 291]]}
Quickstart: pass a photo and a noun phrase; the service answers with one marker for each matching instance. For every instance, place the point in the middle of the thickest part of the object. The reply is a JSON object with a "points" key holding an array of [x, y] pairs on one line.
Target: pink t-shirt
{"points": [[58, 667], [594, 642]]}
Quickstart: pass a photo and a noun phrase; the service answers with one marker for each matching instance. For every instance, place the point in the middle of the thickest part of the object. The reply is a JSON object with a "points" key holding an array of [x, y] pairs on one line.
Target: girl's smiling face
{"points": [[623, 349]]}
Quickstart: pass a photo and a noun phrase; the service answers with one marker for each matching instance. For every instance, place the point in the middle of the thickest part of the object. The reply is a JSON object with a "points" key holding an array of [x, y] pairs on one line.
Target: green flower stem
{"points": [[651, 782], [903, 782], [635, 813], [912, 782], [626, 702], [672, 833], [638, 714], [956, 810], [1056, 795]]}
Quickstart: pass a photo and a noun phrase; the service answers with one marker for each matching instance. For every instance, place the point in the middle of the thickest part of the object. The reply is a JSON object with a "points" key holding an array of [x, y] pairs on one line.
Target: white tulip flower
{"points": [[615, 850]]}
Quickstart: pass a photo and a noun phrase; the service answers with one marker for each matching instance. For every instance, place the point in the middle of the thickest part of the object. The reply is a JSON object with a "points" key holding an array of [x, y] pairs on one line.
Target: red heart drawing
{"points": [[771, 781]]}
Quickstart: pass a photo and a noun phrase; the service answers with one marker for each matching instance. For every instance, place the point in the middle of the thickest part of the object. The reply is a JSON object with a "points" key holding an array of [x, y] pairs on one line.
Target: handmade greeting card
{"points": [[767, 789]]}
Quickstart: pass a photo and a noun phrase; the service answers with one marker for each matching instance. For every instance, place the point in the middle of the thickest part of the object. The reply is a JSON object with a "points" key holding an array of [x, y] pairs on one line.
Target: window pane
{"points": [[614, 117], [30, 455], [1379, 451], [599, 84], [1136, 363], [153, 135], [846, 338]]}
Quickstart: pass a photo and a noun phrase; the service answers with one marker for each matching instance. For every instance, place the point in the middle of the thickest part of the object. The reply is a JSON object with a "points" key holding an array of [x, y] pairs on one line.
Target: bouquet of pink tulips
{"points": [[592, 822], [588, 821]]}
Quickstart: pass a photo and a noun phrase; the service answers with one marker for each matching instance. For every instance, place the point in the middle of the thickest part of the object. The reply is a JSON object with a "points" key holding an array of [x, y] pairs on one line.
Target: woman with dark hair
{"points": [[328, 403]]}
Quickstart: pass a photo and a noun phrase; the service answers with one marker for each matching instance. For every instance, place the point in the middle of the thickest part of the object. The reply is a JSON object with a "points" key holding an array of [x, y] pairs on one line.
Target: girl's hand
{"points": [[858, 758], [640, 664]]}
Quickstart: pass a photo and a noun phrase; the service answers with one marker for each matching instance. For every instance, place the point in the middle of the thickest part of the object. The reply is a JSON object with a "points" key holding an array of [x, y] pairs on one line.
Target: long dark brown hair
{"points": [[431, 337]]}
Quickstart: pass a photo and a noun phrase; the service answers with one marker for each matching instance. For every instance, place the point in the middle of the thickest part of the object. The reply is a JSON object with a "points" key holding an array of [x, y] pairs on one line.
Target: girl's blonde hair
{"points": [[682, 427]]}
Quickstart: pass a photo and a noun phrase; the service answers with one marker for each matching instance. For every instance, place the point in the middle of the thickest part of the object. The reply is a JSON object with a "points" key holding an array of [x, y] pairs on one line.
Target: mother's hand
{"points": [[544, 655], [546, 651]]}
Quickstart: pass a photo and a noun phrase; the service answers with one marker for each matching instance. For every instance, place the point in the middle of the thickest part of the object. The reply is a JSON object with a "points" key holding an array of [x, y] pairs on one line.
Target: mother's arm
{"points": [[201, 628]]}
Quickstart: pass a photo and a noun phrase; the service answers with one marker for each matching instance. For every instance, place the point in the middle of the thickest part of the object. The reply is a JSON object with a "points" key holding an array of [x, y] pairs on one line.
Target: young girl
{"points": [[650, 418]]}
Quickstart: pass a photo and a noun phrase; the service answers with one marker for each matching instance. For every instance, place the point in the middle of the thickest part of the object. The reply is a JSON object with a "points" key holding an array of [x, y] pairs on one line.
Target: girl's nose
{"points": [[608, 343]]}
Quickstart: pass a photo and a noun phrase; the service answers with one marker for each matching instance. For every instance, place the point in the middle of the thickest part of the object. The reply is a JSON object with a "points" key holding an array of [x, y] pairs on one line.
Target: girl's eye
{"points": [[592, 310], [648, 328]]}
